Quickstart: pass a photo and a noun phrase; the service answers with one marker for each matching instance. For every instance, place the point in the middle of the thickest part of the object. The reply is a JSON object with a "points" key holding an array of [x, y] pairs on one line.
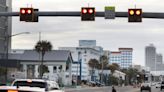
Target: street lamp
{"points": [[7, 45], [138, 78], [78, 63]]}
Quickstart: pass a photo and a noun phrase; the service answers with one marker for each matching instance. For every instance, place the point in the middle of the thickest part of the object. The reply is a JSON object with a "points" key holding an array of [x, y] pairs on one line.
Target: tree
{"points": [[116, 65], [131, 74], [2, 71], [103, 63], [93, 63], [44, 69], [43, 47], [112, 68]]}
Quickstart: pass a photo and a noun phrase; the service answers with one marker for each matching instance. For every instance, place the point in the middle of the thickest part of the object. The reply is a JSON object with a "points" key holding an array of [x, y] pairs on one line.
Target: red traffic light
{"points": [[84, 11], [87, 13], [23, 11], [90, 11], [26, 11], [29, 11]]}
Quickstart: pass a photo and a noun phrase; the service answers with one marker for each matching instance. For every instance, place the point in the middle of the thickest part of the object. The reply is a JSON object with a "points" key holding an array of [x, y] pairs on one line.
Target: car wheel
{"points": [[149, 90]]}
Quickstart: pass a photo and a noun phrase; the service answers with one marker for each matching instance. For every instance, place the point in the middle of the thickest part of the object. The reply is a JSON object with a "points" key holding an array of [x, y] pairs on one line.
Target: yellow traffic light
{"points": [[138, 12], [131, 12]]}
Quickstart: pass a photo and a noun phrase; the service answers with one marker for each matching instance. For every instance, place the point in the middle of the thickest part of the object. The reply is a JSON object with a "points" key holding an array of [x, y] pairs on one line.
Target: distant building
{"points": [[115, 57], [106, 53], [5, 27], [159, 59], [123, 57], [159, 63], [138, 67], [150, 57], [119, 74], [87, 43], [91, 44], [83, 55], [126, 57]]}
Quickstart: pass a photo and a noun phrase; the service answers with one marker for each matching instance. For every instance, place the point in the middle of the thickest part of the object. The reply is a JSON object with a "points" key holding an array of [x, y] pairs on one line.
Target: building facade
{"points": [[150, 57], [58, 62], [126, 57], [87, 43], [5, 28], [115, 57], [123, 57], [159, 63], [82, 55]]}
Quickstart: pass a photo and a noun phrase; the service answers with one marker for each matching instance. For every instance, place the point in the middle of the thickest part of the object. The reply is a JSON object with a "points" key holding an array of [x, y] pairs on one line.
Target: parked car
{"points": [[92, 83], [99, 84], [146, 86]]}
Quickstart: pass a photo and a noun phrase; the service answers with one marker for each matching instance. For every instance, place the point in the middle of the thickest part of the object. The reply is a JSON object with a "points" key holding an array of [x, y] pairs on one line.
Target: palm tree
{"points": [[112, 68], [116, 65], [43, 47], [103, 63], [93, 63]]}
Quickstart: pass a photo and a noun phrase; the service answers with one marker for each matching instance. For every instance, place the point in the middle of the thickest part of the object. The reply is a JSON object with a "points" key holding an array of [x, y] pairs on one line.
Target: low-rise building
{"points": [[59, 63]]}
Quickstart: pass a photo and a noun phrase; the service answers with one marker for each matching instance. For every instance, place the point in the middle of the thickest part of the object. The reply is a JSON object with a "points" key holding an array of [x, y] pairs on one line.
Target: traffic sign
{"points": [[110, 12]]}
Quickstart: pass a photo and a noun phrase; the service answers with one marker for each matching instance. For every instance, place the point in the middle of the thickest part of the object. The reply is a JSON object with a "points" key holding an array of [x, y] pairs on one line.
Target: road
{"points": [[104, 89]]}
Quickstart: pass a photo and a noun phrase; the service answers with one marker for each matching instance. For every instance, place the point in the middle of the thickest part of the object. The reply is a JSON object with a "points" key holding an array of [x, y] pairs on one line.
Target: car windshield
{"points": [[30, 84]]}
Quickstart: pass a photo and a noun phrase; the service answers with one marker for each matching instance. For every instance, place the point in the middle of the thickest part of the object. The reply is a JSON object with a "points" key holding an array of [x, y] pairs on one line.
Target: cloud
{"points": [[110, 34]]}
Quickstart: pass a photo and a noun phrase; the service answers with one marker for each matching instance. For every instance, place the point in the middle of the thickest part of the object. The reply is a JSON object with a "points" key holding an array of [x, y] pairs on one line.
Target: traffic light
{"points": [[135, 15], [87, 13], [26, 14]]}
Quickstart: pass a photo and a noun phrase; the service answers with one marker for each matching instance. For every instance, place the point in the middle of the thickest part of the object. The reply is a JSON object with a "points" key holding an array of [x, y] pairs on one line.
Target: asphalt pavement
{"points": [[104, 89]]}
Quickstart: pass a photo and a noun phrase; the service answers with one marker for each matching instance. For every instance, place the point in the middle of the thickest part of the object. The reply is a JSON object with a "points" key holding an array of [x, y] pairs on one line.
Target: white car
{"points": [[31, 85], [158, 85], [145, 86]]}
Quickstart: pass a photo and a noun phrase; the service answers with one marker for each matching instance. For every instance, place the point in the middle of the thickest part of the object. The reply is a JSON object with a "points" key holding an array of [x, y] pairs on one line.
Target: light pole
{"points": [[7, 45], [138, 78], [78, 63]]}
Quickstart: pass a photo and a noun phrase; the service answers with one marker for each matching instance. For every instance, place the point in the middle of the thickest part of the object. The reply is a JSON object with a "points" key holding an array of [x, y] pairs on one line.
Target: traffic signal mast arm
{"points": [[76, 14]]}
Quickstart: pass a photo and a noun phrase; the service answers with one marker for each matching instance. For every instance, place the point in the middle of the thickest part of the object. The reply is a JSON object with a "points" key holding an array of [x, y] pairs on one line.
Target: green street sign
{"points": [[110, 12]]}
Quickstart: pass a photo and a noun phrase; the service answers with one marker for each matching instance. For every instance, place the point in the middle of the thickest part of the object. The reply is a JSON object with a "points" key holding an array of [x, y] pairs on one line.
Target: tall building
{"points": [[123, 57], [150, 57], [126, 57], [159, 63], [115, 57], [5, 28], [159, 59], [87, 43]]}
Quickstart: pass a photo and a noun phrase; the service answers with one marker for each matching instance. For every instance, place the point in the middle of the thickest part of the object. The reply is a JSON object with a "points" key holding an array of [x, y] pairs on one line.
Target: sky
{"points": [[110, 34]]}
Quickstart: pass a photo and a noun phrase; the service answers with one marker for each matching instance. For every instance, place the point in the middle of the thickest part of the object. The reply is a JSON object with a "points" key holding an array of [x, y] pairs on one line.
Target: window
{"points": [[54, 69]]}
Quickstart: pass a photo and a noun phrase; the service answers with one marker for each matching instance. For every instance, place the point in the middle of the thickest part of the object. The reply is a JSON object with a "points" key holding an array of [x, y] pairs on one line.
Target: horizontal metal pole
{"points": [[76, 14]]}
